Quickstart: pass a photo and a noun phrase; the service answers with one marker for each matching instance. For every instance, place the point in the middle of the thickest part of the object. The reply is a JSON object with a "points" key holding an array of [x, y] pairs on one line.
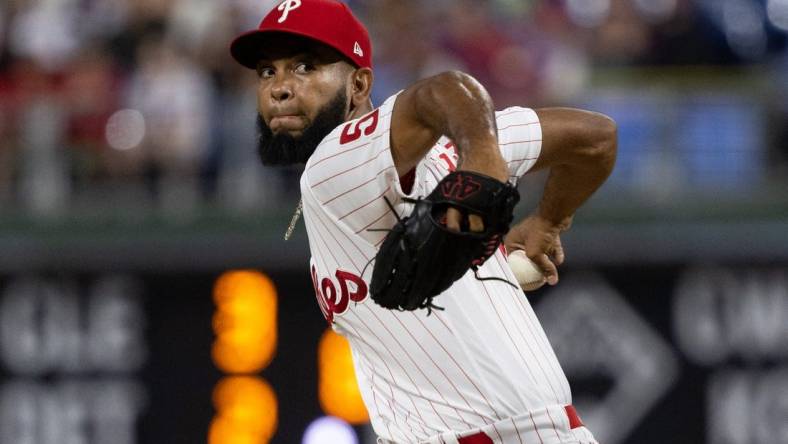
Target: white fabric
{"points": [[482, 360]]}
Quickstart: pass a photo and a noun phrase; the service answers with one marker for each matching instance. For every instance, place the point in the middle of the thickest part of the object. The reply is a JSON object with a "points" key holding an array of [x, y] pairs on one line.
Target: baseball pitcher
{"points": [[406, 207]]}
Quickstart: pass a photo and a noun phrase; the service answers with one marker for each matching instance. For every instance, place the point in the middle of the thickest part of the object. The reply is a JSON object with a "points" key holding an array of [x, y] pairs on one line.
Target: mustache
{"points": [[283, 149]]}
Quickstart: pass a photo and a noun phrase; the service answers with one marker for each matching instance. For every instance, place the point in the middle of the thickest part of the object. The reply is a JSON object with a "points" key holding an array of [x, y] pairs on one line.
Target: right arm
{"points": [[579, 148], [451, 104], [457, 106]]}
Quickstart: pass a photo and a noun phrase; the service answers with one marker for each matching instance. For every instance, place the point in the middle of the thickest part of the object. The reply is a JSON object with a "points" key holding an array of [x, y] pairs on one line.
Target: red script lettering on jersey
{"points": [[353, 131], [335, 302]]}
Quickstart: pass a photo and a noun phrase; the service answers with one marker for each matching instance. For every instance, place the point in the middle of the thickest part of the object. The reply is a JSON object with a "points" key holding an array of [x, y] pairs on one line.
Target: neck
{"points": [[361, 110]]}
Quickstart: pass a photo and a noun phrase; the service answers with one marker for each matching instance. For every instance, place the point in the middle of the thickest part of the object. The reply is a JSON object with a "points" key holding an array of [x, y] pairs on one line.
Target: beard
{"points": [[284, 149]]}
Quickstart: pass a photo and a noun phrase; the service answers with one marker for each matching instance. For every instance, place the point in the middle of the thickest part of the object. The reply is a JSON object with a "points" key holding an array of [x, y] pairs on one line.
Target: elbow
{"points": [[451, 92], [455, 78], [604, 146], [457, 84]]}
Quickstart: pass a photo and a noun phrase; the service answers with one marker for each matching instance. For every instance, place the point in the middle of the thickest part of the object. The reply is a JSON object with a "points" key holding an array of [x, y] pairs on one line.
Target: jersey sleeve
{"points": [[520, 138], [352, 170]]}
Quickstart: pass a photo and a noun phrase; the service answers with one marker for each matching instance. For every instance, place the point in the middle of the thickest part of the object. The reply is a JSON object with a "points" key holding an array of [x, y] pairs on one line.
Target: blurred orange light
{"points": [[337, 388], [245, 322], [246, 411]]}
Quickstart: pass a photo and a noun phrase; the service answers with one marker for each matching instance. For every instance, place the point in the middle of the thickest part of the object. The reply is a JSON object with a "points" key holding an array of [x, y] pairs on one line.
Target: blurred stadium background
{"points": [[146, 295]]}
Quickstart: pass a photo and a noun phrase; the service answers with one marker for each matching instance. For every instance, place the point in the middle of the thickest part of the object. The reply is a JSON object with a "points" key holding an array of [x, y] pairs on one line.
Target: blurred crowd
{"points": [[139, 100]]}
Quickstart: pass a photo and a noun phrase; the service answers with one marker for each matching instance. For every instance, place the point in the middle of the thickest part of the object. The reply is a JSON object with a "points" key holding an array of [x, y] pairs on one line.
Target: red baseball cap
{"points": [[328, 21]]}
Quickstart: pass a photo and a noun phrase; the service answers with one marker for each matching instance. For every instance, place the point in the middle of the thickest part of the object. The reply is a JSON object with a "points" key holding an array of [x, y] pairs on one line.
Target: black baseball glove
{"points": [[420, 257]]}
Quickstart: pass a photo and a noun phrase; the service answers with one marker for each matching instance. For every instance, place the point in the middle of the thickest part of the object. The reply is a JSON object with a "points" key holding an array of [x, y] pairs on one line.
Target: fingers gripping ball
{"points": [[528, 275], [420, 257]]}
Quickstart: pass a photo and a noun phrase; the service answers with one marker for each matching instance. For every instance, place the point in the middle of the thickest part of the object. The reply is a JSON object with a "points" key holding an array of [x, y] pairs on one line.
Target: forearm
{"points": [[579, 149], [571, 182], [567, 188]]}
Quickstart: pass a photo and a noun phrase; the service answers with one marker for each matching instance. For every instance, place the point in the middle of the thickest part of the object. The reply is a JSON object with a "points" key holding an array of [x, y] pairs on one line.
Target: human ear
{"points": [[361, 86]]}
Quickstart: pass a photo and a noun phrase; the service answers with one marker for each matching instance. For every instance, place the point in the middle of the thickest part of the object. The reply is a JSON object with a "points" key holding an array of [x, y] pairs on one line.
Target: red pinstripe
{"points": [[400, 365], [519, 141], [553, 423], [518, 125], [522, 160], [416, 365], [375, 400], [424, 432], [368, 203], [437, 175], [318, 162], [544, 345], [536, 429], [327, 141], [330, 252], [538, 357], [440, 369], [350, 258], [495, 429], [380, 358], [357, 187], [519, 435], [497, 416], [352, 242], [508, 333], [516, 296], [509, 113], [350, 169], [348, 191], [374, 221]]}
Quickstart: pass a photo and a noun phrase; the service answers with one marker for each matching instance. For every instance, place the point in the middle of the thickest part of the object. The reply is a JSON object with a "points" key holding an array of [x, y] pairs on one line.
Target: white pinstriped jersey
{"points": [[485, 358]]}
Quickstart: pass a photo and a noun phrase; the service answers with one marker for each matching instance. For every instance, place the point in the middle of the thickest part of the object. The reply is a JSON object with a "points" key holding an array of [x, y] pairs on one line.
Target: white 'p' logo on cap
{"points": [[287, 6]]}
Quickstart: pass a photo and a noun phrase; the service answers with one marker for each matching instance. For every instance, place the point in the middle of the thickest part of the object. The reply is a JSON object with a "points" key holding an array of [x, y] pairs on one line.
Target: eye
{"points": [[304, 68], [265, 72]]}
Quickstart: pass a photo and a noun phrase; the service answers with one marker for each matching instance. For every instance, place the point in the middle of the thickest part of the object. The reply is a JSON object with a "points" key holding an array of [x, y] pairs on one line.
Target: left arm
{"points": [[579, 149]]}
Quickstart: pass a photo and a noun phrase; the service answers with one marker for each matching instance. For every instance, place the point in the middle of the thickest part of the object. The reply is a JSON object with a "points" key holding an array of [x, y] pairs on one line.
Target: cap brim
{"points": [[247, 48]]}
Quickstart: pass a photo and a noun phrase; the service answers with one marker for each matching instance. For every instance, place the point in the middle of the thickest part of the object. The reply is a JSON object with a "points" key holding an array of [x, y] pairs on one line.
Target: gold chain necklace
{"points": [[294, 220]]}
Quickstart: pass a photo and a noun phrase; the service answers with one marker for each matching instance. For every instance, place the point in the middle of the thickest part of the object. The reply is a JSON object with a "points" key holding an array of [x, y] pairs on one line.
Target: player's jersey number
{"points": [[364, 126]]}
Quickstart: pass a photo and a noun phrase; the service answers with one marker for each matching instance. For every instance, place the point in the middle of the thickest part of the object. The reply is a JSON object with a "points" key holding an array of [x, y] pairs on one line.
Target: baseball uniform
{"points": [[482, 370]]}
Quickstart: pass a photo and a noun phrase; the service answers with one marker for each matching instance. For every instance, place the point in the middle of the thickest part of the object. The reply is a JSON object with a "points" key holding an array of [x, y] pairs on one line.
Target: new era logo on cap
{"points": [[357, 50], [287, 6]]}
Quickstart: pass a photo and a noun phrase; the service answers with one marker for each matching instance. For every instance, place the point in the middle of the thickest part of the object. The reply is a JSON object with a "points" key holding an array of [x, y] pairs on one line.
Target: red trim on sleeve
{"points": [[407, 181], [479, 438], [574, 418]]}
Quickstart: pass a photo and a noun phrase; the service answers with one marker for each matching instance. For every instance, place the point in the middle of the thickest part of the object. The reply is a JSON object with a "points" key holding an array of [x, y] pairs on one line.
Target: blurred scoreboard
{"points": [[71, 355], [684, 354], [130, 358], [679, 354]]}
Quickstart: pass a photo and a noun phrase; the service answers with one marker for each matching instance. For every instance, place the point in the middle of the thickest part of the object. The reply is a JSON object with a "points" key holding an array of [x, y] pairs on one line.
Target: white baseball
{"points": [[528, 275]]}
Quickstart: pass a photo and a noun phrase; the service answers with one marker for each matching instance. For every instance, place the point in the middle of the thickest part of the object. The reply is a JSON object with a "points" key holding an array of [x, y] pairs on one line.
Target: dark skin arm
{"points": [[579, 149], [455, 105]]}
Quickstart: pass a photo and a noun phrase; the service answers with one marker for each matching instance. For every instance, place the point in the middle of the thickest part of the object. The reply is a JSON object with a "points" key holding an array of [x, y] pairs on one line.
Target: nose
{"points": [[282, 88]]}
